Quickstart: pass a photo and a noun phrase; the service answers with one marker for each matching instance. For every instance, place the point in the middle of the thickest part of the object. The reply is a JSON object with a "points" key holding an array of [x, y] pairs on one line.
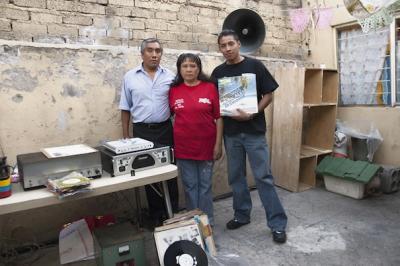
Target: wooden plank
{"points": [[319, 104], [309, 151], [287, 124], [220, 185]]}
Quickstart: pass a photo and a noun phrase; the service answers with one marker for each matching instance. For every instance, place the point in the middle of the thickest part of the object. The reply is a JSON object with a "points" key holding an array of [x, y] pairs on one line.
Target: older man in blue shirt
{"points": [[144, 98]]}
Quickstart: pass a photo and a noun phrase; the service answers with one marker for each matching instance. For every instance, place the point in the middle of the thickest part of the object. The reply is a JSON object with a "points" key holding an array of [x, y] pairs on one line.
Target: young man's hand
{"points": [[242, 115]]}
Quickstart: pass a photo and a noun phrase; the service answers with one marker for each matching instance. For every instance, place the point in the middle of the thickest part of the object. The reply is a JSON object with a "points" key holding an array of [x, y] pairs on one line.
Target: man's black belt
{"points": [[152, 125]]}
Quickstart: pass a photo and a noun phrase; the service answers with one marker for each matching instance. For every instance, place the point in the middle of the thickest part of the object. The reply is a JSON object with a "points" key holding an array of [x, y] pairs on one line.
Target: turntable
{"points": [[128, 145]]}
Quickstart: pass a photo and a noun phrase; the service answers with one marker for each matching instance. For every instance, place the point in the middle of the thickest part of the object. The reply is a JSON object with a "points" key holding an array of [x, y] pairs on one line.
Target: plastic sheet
{"points": [[225, 258], [362, 130]]}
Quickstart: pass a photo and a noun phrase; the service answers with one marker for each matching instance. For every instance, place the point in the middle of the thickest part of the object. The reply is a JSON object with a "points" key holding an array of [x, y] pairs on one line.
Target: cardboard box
{"points": [[204, 225]]}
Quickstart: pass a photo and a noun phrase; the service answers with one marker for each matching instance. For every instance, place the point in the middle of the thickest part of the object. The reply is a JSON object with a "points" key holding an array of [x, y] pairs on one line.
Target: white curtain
{"points": [[361, 59]]}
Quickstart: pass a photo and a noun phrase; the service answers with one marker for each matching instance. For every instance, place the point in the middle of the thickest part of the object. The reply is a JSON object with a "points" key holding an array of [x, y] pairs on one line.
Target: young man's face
{"points": [[229, 47], [152, 55]]}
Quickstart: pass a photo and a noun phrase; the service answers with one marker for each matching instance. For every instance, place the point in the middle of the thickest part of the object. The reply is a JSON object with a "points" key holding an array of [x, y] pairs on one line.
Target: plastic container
{"points": [[5, 187], [341, 186]]}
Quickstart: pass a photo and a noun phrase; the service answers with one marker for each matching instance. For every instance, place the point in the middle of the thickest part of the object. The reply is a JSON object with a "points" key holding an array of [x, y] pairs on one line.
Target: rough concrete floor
{"points": [[324, 229]]}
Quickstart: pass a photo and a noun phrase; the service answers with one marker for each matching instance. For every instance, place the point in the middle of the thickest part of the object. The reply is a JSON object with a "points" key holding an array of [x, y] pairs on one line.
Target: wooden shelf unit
{"points": [[304, 118]]}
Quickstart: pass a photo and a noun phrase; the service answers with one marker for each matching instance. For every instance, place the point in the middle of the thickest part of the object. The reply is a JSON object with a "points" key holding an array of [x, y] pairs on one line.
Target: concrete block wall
{"points": [[180, 24], [61, 66]]}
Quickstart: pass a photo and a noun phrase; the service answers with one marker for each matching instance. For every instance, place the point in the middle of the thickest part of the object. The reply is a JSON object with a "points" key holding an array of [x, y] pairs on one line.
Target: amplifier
{"points": [[128, 163], [36, 168]]}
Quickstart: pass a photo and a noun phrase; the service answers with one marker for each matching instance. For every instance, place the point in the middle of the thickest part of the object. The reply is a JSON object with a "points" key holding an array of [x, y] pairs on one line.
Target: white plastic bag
{"points": [[362, 130]]}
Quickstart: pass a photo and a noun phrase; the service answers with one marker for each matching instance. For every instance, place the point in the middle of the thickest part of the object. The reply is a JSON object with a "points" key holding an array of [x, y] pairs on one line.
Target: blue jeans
{"points": [[196, 178], [256, 148]]}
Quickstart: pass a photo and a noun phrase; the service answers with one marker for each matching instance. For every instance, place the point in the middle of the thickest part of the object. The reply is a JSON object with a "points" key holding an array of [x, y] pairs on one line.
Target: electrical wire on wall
{"points": [[2, 154]]}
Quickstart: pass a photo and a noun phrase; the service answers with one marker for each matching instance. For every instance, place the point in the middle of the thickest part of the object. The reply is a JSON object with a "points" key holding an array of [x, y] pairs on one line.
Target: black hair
{"points": [[228, 32], [193, 58], [147, 41]]}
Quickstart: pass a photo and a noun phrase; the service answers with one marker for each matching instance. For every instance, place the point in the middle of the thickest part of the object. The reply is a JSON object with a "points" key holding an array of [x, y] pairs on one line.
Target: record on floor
{"points": [[185, 253]]}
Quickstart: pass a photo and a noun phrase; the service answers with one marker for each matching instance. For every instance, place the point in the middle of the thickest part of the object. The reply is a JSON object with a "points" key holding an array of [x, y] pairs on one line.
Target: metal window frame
{"points": [[393, 63]]}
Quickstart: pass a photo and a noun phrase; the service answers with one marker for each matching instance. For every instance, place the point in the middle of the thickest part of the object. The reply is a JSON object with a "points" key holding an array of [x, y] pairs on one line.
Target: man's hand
{"points": [[125, 119], [242, 115]]}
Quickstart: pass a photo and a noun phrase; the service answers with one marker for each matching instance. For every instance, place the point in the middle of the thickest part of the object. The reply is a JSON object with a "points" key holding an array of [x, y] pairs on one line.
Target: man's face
{"points": [[152, 55], [229, 47]]}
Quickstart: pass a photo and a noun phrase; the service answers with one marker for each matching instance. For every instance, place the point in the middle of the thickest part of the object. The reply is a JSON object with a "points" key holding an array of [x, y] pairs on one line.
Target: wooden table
{"points": [[24, 200]]}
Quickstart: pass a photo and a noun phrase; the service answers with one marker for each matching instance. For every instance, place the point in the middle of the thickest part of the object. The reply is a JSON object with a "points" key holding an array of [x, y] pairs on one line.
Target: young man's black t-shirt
{"points": [[265, 84]]}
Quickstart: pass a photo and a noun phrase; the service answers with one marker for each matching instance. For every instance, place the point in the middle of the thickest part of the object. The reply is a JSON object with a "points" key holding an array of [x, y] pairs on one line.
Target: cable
{"points": [[1, 149]]}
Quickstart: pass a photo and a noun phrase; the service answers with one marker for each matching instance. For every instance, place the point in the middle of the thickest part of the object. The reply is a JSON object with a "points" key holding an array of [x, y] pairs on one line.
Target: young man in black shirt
{"points": [[244, 134]]}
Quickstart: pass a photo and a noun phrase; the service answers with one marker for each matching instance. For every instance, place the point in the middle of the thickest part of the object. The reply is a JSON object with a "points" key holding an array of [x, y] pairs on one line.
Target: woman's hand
{"points": [[217, 151]]}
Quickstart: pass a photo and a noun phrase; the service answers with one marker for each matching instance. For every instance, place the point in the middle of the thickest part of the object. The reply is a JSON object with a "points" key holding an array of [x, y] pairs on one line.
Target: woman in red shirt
{"points": [[194, 102]]}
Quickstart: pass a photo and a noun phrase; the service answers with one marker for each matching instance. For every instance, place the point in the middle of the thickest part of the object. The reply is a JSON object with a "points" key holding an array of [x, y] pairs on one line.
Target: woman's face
{"points": [[189, 71]]}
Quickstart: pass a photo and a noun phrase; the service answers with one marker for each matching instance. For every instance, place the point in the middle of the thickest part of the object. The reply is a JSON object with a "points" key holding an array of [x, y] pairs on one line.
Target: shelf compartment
{"points": [[330, 86], [313, 86], [307, 173]]}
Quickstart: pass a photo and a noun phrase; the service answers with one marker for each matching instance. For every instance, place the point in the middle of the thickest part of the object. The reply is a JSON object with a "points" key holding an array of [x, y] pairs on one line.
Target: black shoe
{"points": [[235, 224], [279, 237]]}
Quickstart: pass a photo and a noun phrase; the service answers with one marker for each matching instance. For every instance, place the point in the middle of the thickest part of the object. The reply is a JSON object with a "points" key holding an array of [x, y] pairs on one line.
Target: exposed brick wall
{"points": [[180, 24]]}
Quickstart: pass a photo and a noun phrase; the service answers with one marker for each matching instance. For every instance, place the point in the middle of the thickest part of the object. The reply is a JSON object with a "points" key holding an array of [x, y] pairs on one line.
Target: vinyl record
{"points": [[185, 253], [71, 181]]}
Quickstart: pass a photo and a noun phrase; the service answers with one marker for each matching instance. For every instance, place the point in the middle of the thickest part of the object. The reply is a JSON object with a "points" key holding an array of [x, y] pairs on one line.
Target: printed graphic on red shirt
{"points": [[204, 100], [179, 103]]}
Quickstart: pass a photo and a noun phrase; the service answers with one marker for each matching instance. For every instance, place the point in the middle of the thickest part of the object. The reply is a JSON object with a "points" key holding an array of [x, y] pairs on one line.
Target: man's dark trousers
{"points": [[159, 133]]}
